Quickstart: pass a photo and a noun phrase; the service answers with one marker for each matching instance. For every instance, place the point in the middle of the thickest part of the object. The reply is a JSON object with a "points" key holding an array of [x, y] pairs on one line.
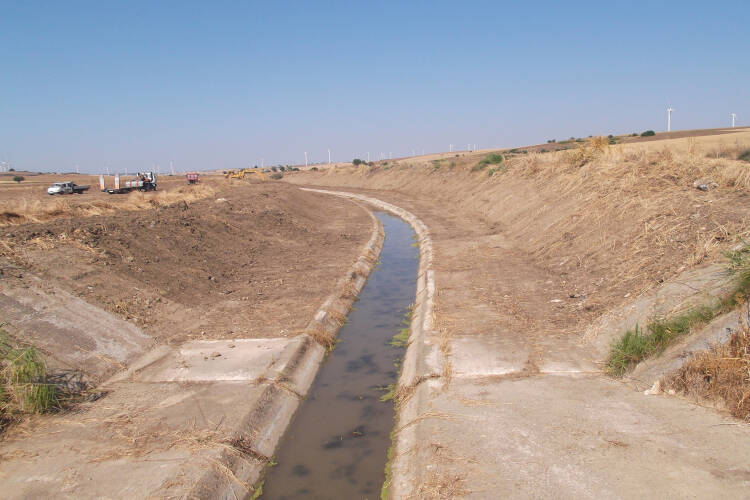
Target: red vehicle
{"points": [[192, 177]]}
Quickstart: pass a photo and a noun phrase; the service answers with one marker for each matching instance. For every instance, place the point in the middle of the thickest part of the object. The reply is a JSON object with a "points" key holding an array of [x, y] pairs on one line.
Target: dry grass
{"points": [[720, 374], [25, 211], [609, 219]]}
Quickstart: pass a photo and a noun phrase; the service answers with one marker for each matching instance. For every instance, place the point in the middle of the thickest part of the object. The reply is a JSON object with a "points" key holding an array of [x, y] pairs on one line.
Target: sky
{"points": [[207, 85]]}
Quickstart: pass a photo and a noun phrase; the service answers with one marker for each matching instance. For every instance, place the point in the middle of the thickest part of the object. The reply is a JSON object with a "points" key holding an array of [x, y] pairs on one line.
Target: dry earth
{"points": [[246, 262], [195, 298]]}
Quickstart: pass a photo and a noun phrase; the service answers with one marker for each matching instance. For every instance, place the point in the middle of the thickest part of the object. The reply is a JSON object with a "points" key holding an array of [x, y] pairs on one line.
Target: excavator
{"points": [[240, 174]]}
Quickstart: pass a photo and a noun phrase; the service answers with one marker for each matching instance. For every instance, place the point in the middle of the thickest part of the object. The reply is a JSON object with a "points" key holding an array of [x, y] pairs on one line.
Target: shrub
{"points": [[277, 176], [314, 168], [635, 134], [357, 162], [18, 178], [490, 159], [648, 133], [24, 385], [11, 170], [282, 169], [744, 155], [551, 141], [494, 170], [610, 136]]}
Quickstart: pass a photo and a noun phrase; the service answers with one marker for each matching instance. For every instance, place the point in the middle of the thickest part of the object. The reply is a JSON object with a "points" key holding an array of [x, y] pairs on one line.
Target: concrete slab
{"points": [[162, 435], [567, 437], [80, 335], [487, 355], [216, 360]]}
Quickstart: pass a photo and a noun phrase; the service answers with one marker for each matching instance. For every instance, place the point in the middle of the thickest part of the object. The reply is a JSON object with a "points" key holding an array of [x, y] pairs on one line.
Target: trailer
{"points": [[144, 181], [192, 177], [66, 188]]}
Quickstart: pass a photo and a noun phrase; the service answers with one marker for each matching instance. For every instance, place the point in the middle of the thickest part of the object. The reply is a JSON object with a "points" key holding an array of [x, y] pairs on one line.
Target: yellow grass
{"points": [[25, 211], [629, 213]]}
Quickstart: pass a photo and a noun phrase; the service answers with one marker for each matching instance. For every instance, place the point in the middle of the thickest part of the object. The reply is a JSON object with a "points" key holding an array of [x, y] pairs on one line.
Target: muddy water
{"points": [[337, 443]]}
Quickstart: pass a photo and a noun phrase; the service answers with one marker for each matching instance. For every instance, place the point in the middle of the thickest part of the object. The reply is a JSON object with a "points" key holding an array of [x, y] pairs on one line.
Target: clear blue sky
{"points": [[224, 84]]}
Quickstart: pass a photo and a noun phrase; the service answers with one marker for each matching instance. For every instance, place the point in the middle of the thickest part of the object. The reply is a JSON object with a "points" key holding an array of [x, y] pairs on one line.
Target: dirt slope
{"points": [[248, 262], [593, 234]]}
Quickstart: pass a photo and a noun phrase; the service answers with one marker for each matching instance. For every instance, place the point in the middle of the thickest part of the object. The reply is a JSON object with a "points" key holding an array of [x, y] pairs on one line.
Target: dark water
{"points": [[336, 445]]}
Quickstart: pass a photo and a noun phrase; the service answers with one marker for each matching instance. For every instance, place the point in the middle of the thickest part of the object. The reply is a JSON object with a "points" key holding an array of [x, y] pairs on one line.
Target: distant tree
{"points": [[273, 169], [282, 168], [314, 168], [277, 176], [610, 136], [18, 178], [357, 161], [648, 133], [551, 141], [11, 169]]}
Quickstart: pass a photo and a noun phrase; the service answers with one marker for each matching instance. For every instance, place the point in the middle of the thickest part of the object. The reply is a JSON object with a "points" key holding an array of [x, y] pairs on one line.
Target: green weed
{"points": [[24, 387], [495, 170], [636, 345], [490, 159]]}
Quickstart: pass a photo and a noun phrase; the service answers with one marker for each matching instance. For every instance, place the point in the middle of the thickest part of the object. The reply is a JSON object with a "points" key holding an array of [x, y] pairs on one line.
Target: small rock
{"points": [[215, 354], [232, 346], [556, 300], [203, 332], [671, 392], [221, 200], [704, 184], [655, 389]]}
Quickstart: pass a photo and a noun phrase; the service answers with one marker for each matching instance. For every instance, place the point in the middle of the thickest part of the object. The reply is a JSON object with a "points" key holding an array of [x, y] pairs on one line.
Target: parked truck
{"points": [[144, 181], [66, 188]]}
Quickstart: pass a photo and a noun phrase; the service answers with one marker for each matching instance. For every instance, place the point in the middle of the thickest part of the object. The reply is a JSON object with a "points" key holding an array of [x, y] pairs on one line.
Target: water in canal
{"points": [[336, 445]]}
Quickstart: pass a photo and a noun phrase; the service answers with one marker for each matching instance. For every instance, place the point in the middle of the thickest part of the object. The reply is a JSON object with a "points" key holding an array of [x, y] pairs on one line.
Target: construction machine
{"points": [[240, 174]]}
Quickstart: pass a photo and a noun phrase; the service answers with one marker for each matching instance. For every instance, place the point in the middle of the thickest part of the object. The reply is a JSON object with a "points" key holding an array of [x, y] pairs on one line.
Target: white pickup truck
{"points": [[66, 188]]}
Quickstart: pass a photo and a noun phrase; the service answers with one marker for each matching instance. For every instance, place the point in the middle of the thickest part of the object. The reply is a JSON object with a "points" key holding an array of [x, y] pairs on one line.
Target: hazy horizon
{"points": [[224, 85]]}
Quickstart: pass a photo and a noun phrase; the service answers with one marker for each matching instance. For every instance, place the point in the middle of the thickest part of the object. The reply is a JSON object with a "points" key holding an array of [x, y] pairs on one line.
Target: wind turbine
{"points": [[329, 156], [669, 118], [733, 116], [305, 158]]}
